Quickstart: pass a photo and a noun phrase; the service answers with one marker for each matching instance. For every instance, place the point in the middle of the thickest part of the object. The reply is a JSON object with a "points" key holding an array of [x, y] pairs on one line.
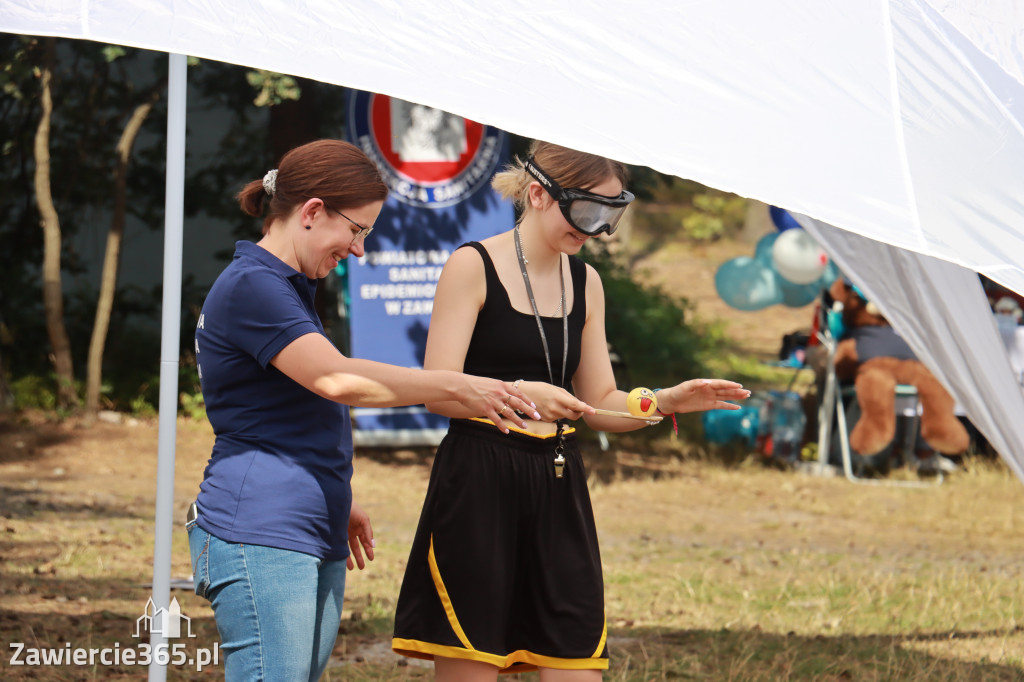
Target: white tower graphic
{"points": [[165, 622]]}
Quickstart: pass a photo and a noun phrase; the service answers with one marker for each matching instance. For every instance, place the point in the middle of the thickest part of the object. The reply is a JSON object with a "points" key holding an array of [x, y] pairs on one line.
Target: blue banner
{"points": [[438, 167]]}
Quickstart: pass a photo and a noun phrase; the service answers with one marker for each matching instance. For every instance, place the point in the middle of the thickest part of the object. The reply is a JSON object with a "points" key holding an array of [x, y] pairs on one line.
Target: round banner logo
{"points": [[427, 156]]}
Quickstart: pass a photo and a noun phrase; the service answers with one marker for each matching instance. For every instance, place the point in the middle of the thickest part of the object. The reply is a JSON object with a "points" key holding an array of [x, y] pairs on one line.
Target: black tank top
{"points": [[506, 344]]}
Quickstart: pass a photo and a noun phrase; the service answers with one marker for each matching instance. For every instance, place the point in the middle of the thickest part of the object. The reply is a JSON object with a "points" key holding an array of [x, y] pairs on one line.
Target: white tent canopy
{"points": [[896, 119], [899, 121]]}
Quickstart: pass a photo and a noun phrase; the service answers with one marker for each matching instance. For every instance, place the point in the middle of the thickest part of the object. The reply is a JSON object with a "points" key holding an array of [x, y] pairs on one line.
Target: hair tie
{"points": [[270, 182]]}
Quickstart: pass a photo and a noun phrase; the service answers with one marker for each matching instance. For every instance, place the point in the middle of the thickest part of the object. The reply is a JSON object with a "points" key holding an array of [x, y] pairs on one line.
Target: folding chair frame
{"points": [[832, 399]]}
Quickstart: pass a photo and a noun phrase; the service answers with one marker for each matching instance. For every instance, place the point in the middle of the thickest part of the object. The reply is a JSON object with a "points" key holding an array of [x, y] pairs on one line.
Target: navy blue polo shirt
{"points": [[281, 466]]}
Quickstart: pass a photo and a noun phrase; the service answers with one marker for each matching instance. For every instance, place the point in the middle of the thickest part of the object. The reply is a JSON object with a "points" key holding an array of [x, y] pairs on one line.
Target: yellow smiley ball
{"points": [[641, 402]]}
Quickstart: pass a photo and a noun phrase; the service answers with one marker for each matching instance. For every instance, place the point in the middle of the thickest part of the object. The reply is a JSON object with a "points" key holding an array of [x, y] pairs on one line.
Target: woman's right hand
{"points": [[554, 403]]}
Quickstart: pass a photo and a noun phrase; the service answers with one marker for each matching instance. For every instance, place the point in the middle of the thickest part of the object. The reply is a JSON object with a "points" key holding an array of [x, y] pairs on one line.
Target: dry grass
{"points": [[712, 572]]}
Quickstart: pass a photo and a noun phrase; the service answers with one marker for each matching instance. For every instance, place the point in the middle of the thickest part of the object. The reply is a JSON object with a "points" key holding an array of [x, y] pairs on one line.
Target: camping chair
{"points": [[832, 404]]}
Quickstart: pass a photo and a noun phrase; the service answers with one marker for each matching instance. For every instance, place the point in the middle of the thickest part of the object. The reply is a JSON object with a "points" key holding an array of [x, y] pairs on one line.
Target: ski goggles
{"points": [[587, 212]]}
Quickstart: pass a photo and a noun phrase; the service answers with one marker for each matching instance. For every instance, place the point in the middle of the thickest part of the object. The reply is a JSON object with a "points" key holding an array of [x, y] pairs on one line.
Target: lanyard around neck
{"points": [[536, 314]]}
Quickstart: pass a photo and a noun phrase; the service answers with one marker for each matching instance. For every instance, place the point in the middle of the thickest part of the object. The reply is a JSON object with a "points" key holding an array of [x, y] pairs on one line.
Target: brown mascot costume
{"points": [[876, 359]]}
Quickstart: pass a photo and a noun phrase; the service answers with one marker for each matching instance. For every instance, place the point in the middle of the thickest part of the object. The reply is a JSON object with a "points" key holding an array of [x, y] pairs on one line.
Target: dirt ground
{"points": [[693, 553]]}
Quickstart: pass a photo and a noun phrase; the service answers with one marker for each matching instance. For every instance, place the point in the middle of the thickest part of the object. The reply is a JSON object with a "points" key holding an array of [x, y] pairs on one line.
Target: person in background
{"points": [[274, 525], [505, 572]]}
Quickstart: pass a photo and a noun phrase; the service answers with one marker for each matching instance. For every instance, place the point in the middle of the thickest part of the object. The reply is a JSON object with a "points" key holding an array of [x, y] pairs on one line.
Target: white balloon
{"points": [[797, 257]]}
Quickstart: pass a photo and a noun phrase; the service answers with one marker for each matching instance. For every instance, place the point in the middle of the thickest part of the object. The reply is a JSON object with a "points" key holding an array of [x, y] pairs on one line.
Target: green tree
{"points": [[651, 332], [19, 233], [112, 256], [49, 221]]}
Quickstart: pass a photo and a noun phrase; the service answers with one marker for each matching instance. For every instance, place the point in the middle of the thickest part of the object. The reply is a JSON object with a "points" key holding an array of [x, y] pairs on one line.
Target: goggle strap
{"points": [[552, 187], [555, 190]]}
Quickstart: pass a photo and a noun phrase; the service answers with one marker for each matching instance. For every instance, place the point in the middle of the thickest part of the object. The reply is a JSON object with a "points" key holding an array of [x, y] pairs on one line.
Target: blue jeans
{"points": [[277, 610]]}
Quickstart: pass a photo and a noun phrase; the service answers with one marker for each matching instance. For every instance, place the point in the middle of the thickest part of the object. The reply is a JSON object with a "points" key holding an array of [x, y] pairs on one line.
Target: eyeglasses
{"points": [[363, 232], [587, 212]]}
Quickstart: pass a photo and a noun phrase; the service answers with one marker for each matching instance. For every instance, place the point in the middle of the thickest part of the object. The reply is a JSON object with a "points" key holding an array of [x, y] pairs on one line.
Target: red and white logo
{"points": [[428, 157]]}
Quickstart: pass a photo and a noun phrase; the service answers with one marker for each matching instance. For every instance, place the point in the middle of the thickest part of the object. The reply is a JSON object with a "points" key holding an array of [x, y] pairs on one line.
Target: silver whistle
{"points": [[559, 449]]}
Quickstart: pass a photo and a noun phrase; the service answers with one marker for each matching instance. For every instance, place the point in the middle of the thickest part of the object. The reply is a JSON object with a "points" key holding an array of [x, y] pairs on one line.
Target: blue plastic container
{"points": [[730, 426], [788, 424]]}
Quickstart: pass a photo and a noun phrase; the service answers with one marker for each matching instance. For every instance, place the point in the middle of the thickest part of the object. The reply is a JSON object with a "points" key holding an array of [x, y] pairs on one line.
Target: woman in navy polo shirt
{"points": [[275, 524]]}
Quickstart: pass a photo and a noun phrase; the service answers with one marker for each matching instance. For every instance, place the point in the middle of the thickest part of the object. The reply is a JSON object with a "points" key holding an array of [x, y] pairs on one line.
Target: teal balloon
{"points": [[763, 250], [799, 295], [746, 284]]}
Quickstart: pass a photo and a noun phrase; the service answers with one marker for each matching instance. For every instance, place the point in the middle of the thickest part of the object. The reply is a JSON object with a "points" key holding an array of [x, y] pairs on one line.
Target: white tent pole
{"points": [[169, 348]]}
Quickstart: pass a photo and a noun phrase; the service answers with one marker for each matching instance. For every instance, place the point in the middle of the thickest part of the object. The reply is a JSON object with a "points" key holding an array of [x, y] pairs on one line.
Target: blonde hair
{"points": [[567, 167]]}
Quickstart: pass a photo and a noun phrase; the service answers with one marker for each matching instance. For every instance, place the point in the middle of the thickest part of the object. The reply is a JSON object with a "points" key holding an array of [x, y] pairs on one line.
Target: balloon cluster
{"points": [[788, 267]]}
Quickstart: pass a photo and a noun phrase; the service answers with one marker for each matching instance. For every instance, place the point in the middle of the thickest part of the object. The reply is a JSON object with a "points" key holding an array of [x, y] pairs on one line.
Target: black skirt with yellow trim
{"points": [[505, 568]]}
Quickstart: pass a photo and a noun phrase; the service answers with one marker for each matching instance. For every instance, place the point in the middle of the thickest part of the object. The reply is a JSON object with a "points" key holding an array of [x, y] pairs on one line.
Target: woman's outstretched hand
{"points": [[554, 402], [698, 395]]}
